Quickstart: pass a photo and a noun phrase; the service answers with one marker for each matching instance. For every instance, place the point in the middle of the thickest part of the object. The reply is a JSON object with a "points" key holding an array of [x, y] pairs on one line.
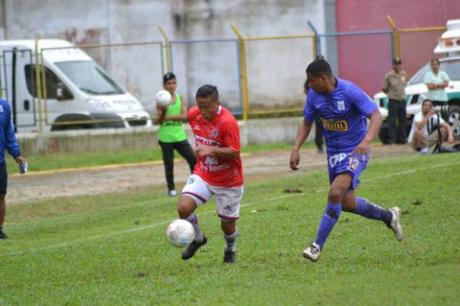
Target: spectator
{"points": [[394, 84], [171, 135], [437, 80], [427, 128]]}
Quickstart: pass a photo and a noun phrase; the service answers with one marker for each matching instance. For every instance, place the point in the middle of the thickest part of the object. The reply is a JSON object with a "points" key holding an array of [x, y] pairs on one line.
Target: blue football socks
{"points": [[330, 217], [372, 211]]}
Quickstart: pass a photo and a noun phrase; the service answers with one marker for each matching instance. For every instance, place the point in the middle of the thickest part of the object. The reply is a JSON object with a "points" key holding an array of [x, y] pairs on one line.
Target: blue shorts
{"points": [[351, 163]]}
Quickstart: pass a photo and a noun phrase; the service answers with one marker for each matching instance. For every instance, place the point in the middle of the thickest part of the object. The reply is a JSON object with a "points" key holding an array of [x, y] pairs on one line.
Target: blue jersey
{"points": [[7, 137], [342, 113]]}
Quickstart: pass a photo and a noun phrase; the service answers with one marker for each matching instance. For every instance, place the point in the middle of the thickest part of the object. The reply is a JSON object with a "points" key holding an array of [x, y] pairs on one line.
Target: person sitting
{"points": [[429, 129]]}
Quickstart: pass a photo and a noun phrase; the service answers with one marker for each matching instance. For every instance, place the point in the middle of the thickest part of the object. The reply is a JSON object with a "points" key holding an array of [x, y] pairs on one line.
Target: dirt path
{"points": [[34, 187]]}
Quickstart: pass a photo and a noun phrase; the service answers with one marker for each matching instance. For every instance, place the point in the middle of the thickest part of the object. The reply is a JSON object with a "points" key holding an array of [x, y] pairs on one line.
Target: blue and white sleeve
{"points": [[309, 110], [363, 103]]}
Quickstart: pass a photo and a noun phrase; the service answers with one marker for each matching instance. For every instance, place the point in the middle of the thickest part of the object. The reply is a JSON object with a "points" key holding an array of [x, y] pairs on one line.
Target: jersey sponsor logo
{"points": [[335, 125], [341, 105], [335, 159], [206, 141]]}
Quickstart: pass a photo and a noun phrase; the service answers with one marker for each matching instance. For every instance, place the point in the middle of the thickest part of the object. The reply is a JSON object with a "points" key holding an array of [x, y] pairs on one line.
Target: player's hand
{"points": [[20, 160], [203, 150], [362, 148], [295, 160]]}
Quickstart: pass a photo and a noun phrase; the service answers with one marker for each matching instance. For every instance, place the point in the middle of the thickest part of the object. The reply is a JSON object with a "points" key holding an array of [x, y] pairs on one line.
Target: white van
{"points": [[76, 93], [416, 90]]}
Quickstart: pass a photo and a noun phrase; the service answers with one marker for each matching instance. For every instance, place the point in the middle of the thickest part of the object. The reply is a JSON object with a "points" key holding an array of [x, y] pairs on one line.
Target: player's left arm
{"points": [[367, 107], [375, 120]]}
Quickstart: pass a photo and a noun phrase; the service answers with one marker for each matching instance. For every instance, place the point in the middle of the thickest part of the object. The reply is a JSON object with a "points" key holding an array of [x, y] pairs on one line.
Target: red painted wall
{"points": [[366, 59]]}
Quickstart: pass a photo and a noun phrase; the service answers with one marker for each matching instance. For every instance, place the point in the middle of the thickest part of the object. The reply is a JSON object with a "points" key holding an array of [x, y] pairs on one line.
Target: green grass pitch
{"points": [[112, 249]]}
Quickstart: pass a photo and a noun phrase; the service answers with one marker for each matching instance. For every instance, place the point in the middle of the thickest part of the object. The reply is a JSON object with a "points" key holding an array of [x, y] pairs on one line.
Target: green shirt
{"points": [[172, 131], [437, 94]]}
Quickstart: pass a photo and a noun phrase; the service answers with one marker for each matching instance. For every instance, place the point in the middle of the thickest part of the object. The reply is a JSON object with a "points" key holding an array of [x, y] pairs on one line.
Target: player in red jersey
{"points": [[218, 170]]}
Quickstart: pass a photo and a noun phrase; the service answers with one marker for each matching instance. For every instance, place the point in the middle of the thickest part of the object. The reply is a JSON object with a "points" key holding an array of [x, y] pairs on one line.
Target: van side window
{"points": [[52, 83]]}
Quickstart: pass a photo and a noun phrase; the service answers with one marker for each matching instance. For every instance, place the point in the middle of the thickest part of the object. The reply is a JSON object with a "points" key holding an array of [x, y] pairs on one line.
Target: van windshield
{"points": [[89, 77], [452, 68]]}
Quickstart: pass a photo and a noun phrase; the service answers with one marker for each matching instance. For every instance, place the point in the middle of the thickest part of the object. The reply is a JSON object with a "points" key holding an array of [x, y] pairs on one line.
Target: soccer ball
{"points": [[163, 97], [180, 233]]}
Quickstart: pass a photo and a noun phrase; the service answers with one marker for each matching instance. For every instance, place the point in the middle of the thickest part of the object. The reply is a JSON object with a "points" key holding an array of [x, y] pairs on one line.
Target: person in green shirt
{"points": [[171, 135]]}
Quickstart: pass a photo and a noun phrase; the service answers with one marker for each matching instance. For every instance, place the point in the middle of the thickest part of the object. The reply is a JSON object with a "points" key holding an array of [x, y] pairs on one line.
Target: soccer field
{"points": [[112, 249]]}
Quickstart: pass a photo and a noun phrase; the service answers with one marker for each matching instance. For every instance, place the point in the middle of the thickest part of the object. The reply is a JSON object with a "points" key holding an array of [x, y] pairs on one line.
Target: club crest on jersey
{"points": [[214, 133], [341, 105]]}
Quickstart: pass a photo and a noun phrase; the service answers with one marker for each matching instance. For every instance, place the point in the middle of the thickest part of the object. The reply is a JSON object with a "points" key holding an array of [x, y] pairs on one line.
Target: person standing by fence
{"points": [[394, 84], [171, 135]]}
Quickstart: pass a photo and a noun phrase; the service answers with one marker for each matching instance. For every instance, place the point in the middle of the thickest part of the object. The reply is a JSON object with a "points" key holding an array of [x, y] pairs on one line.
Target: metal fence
{"points": [[256, 75], [208, 61]]}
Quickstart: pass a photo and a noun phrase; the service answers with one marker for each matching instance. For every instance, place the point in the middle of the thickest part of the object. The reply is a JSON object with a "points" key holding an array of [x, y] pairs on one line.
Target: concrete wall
{"points": [[258, 131], [275, 68]]}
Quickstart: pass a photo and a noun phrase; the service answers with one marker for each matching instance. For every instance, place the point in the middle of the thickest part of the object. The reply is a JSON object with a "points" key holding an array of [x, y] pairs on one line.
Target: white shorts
{"points": [[228, 199]]}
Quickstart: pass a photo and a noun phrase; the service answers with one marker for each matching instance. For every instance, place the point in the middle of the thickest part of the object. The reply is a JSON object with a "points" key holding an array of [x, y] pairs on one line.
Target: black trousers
{"points": [[397, 121], [167, 149]]}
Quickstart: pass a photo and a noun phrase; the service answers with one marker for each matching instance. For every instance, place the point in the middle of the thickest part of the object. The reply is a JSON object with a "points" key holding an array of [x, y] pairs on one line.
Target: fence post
{"points": [[38, 85], [243, 69], [396, 39], [316, 41], [167, 47]]}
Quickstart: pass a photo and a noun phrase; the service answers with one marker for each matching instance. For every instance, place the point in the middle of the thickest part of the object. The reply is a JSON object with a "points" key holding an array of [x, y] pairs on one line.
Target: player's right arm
{"points": [[302, 133]]}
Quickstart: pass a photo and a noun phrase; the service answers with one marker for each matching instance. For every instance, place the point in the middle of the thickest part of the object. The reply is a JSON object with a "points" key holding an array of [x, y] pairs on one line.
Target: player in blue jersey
{"points": [[343, 109]]}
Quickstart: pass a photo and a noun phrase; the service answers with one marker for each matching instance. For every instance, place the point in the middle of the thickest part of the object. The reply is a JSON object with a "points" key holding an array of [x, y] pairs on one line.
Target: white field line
{"points": [[164, 222]]}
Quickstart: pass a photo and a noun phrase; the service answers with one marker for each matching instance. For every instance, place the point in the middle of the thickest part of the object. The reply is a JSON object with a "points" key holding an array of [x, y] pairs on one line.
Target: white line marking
{"points": [[154, 225]]}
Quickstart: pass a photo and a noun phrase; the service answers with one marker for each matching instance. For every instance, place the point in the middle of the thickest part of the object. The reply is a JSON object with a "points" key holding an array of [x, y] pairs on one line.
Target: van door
{"points": [[53, 93], [23, 104]]}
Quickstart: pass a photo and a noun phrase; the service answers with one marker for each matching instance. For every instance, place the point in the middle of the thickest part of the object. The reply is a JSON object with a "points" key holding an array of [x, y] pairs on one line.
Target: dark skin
{"points": [[208, 107], [339, 191]]}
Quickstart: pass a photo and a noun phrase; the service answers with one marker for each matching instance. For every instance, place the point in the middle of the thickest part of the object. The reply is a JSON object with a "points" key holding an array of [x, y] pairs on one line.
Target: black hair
{"points": [[168, 76], [435, 60], [427, 100], [319, 67], [206, 91]]}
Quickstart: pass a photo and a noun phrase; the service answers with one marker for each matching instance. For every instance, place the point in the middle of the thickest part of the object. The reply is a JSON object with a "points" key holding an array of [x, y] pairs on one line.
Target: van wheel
{"points": [[454, 119]]}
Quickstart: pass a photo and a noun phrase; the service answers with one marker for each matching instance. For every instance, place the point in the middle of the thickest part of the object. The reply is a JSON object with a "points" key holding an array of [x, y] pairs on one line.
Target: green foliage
{"points": [[112, 250]]}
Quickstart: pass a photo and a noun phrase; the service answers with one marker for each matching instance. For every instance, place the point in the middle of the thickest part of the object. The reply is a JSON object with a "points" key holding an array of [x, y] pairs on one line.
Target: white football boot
{"points": [[396, 222], [312, 252]]}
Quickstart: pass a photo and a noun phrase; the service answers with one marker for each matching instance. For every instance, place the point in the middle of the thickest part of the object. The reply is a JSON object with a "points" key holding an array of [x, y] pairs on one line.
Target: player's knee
{"points": [[335, 195], [185, 207]]}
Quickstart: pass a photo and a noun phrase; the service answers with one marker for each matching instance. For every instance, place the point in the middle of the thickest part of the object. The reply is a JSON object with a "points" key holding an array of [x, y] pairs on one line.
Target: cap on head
{"points": [[168, 76], [397, 61]]}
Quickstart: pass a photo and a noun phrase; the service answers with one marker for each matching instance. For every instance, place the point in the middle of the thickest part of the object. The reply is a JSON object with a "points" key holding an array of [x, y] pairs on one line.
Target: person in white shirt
{"points": [[436, 80], [424, 132]]}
